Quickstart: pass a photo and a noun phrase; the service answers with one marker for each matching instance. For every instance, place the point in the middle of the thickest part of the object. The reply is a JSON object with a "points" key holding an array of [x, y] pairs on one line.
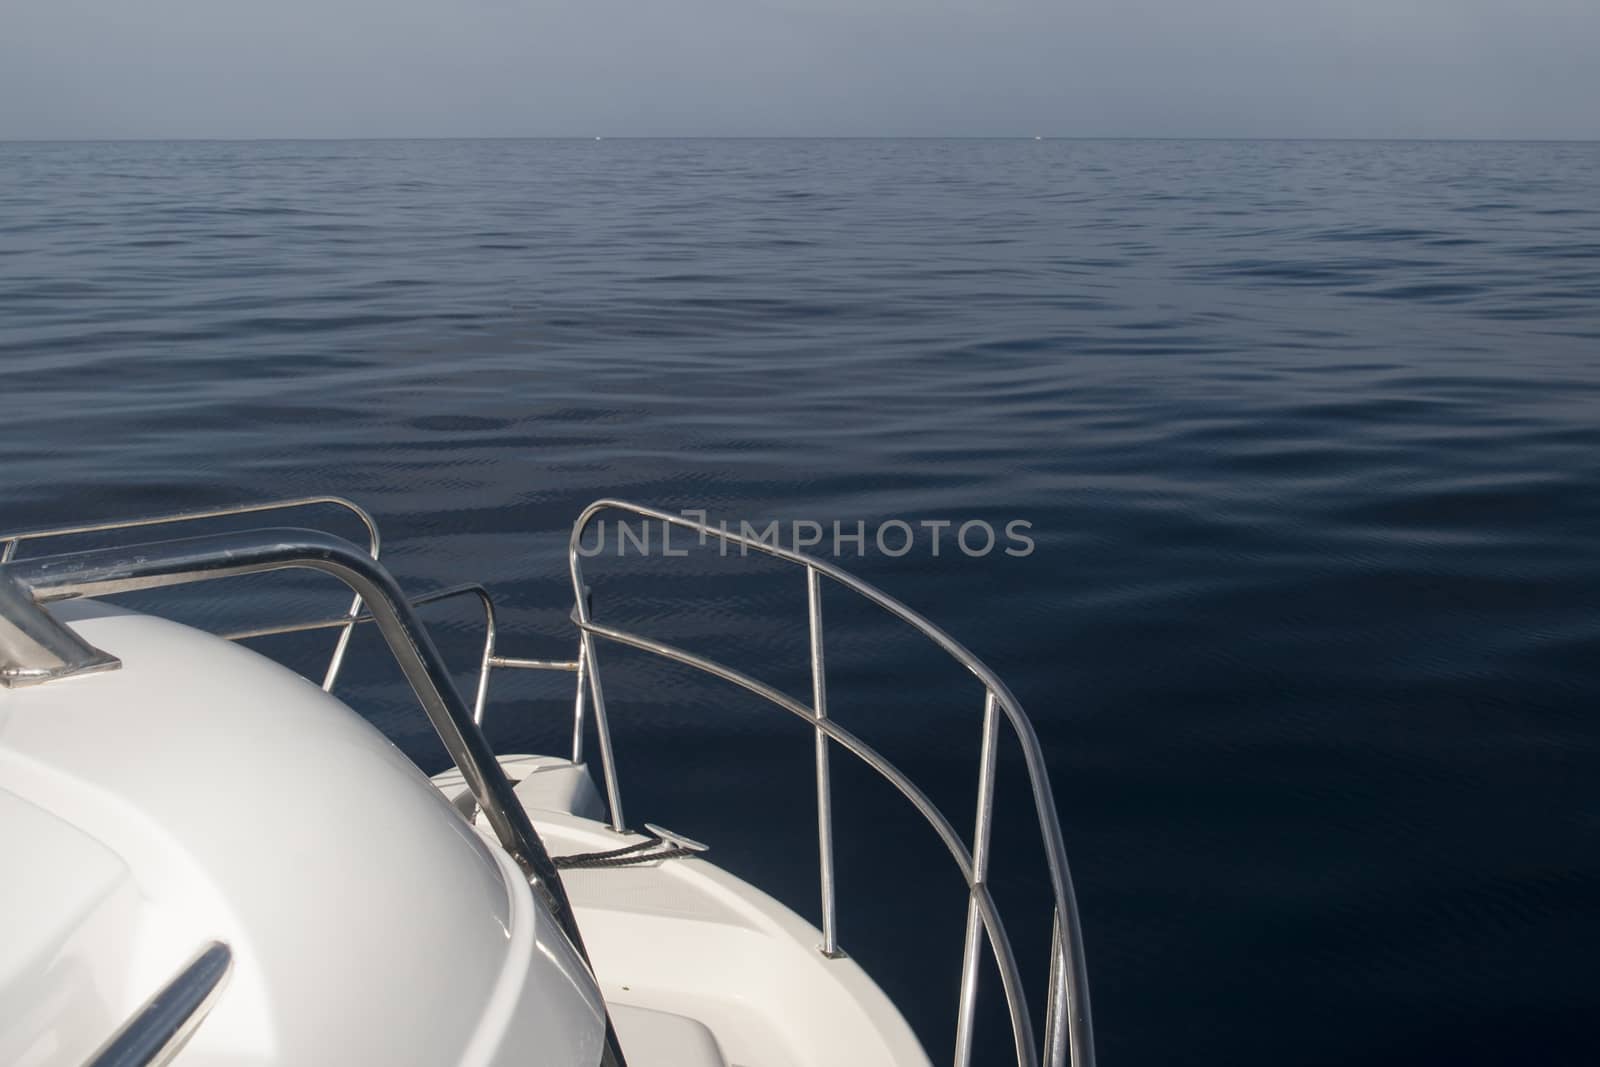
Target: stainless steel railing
{"points": [[1068, 1032], [489, 661], [11, 544]]}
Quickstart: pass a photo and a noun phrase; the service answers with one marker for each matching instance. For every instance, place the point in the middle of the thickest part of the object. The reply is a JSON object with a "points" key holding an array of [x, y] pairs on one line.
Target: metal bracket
{"points": [[34, 647], [672, 840]]}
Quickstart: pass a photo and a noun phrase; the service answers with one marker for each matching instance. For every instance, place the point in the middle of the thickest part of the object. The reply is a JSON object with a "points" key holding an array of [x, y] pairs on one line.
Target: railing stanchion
{"points": [[819, 704], [1055, 1034], [579, 703], [970, 957], [482, 698], [341, 645], [608, 765]]}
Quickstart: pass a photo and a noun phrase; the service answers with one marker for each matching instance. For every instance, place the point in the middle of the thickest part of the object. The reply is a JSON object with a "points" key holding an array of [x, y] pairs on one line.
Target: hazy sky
{"points": [[374, 68]]}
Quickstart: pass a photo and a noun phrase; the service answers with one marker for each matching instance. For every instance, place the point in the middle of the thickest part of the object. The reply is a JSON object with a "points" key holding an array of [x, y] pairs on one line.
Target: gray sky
{"points": [[376, 68]]}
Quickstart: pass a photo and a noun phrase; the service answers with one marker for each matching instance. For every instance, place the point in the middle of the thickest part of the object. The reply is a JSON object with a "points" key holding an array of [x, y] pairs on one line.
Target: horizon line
{"points": [[804, 137]]}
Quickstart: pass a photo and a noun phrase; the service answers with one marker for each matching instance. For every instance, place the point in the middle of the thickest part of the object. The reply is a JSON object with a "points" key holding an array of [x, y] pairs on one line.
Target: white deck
{"points": [[686, 939]]}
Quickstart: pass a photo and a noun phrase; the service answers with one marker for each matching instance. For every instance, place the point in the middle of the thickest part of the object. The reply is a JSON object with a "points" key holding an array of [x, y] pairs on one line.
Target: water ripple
{"points": [[1305, 433]]}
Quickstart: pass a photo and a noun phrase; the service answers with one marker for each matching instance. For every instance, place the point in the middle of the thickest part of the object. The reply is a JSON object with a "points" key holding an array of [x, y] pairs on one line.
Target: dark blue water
{"points": [[1308, 435]]}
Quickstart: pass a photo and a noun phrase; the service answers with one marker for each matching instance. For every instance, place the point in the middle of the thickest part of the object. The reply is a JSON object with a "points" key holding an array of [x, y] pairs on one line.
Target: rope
{"points": [[603, 859], [626, 856]]}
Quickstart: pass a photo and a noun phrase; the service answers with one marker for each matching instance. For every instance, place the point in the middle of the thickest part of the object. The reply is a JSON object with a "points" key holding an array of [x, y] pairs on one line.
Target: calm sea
{"points": [[1308, 436]]}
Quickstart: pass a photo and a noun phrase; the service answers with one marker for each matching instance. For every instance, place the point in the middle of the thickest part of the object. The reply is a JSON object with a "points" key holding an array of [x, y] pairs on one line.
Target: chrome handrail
{"points": [[157, 1032], [11, 542], [1068, 1027]]}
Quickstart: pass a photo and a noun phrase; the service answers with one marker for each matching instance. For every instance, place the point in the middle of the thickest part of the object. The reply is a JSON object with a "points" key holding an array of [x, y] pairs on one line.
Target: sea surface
{"points": [[1306, 436]]}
